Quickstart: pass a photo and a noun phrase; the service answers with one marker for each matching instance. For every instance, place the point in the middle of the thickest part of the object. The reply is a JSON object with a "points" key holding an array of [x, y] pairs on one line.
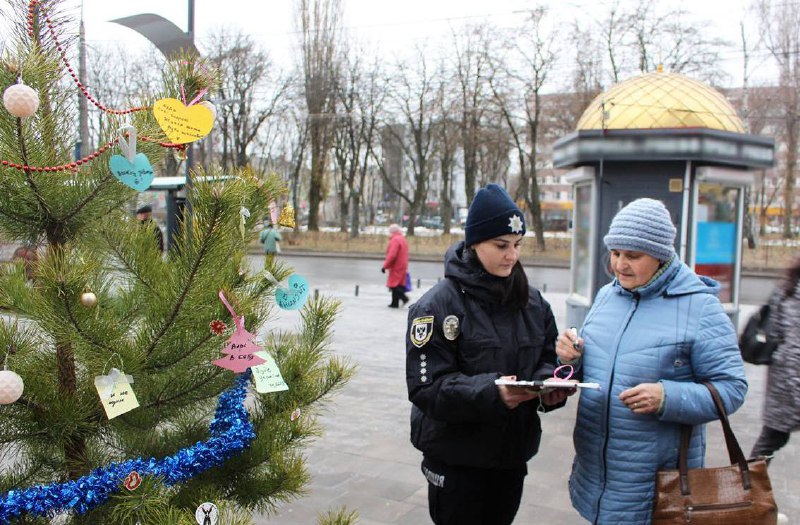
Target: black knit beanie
{"points": [[492, 214]]}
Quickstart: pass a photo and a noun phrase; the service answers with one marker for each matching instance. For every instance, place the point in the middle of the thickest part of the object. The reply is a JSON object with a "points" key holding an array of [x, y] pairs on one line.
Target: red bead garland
{"points": [[90, 98], [74, 165]]}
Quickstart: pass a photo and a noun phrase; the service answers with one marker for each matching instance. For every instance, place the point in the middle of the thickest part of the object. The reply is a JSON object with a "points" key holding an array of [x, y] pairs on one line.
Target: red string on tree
{"points": [[89, 97]]}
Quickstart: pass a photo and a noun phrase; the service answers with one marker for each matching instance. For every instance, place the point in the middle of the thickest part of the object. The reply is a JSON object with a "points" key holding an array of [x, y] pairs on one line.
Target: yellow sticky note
{"points": [[121, 400], [267, 376], [181, 123]]}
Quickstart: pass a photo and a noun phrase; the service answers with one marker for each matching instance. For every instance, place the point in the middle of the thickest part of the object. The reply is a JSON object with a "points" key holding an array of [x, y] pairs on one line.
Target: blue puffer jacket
{"points": [[675, 331]]}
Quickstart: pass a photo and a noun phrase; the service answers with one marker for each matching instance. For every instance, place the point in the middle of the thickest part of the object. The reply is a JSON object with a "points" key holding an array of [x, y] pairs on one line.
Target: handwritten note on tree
{"points": [[268, 377]]}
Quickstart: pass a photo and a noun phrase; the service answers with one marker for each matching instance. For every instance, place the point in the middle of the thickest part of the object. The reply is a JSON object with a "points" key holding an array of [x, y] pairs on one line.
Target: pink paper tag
{"points": [[241, 347]]}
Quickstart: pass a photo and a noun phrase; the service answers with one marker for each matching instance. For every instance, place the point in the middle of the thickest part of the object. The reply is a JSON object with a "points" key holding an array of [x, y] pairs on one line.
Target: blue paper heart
{"points": [[293, 297], [138, 175]]}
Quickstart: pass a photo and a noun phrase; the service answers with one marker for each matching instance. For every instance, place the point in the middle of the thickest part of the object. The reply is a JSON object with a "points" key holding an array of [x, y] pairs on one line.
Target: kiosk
{"points": [[668, 137]]}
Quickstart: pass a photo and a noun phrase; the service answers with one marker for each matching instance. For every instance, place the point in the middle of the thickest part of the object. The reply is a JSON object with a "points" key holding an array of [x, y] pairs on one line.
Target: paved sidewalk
{"points": [[364, 460]]}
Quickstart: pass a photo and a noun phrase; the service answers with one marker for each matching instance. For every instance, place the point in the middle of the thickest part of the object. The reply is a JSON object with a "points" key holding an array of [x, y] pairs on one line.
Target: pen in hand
{"points": [[574, 332]]}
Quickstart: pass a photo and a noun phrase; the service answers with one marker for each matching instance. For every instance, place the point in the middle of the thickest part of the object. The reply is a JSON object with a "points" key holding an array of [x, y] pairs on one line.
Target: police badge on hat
{"points": [[450, 327], [421, 330]]}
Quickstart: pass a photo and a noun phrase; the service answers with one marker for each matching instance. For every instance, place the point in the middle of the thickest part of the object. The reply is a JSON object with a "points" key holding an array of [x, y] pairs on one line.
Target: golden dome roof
{"points": [[661, 100]]}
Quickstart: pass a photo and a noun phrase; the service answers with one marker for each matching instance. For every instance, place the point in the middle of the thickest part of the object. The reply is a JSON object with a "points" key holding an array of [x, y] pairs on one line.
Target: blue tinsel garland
{"points": [[231, 432]]}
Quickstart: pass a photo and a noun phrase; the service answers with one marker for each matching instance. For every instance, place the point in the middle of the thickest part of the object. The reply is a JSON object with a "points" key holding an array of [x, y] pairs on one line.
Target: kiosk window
{"points": [[582, 241], [717, 234]]}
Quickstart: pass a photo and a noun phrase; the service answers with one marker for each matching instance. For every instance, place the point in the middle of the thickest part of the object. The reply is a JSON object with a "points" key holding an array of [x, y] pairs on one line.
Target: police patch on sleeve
{"points": [[421, 330]]}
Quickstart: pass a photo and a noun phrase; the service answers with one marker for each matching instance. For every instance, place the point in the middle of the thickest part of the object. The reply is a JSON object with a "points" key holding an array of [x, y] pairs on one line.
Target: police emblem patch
{"points": [[450, 327], [515, 223], [421, 330]]}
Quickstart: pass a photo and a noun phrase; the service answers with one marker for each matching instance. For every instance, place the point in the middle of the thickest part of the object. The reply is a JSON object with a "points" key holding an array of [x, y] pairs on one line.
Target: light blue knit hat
{"points": [[645, 226]]}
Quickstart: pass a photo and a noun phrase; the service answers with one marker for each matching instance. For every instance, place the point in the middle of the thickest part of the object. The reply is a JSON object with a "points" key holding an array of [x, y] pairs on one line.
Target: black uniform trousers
{"points": [[472, 496], [398, 294]]}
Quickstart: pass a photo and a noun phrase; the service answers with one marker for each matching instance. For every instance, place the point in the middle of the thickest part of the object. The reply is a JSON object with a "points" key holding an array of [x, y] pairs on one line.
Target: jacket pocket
{"points": [[478, 356]]}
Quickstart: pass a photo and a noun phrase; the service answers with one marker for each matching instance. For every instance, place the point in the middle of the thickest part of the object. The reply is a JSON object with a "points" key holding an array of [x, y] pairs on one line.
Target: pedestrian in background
{"points": [[270, 238], [397, 263], [29, 256], [481, 323], [145, 217], [650, 338], [782, 400]]}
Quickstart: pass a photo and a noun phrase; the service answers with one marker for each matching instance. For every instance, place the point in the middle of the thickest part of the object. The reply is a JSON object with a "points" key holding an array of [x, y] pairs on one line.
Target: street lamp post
{"points": [[171, 41]]}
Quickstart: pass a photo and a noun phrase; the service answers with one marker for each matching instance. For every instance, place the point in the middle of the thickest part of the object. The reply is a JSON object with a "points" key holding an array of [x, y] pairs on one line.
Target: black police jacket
{"points": [[458, 416]]}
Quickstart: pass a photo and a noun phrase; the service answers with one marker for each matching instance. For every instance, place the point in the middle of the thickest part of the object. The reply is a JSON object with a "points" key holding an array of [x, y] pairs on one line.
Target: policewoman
{"points": [[479, 324]]}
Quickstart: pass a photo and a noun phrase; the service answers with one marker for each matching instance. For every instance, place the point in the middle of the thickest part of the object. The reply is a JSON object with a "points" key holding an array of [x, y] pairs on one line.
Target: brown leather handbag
{"points": [[739, 494]]}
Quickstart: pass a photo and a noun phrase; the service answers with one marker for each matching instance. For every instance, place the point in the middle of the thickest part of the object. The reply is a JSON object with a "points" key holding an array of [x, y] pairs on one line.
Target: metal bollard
{"points": [[316, 293], [419, 284], [544, 287], [356, 290]]}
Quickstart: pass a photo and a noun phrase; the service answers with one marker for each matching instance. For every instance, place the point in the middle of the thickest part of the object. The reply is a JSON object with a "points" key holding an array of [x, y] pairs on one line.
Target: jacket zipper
{"points": [[636, 298], [714, 507]]}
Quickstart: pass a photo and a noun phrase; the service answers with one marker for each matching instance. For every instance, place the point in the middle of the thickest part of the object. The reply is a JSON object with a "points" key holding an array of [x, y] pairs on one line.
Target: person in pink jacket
{"points": [[397, 263]]}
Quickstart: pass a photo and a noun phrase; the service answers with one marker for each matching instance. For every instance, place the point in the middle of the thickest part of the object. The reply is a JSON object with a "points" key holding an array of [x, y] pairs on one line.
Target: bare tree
{"points": [[360, 96], [534, 49], [416, 103], [471, 67], [110, 67], [251, 92], [780, 24], [320, 23], [650, 33], [587, 79], [615, 28], [494, 155], [448, 130]]}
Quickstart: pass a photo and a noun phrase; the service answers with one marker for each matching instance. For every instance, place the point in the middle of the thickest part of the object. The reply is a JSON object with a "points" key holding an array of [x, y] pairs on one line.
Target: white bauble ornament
{"points": [[10, 387], [88, 299], [20, 100], [212, 108]]}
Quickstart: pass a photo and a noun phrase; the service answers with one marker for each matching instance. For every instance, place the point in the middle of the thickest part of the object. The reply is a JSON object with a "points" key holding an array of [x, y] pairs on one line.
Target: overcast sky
{"points": [[391, 25]]}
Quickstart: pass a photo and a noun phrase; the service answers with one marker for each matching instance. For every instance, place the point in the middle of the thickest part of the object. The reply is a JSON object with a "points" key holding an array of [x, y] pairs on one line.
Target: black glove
{"points": [[383, 270]]}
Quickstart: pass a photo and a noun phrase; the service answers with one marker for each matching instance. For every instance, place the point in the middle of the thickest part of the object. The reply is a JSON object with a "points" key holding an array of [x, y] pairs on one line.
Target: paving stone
{"points": [[365, 461]]}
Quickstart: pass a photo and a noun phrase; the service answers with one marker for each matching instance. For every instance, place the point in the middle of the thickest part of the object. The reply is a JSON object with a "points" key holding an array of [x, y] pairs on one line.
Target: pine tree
{"points": [[151, 317]]}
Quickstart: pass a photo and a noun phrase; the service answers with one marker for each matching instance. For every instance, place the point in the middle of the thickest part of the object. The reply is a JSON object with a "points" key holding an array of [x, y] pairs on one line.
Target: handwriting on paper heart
{"points": [[294, 296], [138, 175], [181, 123]]}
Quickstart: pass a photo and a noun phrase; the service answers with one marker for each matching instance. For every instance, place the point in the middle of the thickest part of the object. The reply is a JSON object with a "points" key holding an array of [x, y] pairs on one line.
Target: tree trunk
{"points": [[789, 182]]}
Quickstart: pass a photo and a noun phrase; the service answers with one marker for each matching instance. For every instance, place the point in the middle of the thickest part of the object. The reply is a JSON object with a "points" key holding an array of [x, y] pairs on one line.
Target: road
{"points": [[362, 272]]}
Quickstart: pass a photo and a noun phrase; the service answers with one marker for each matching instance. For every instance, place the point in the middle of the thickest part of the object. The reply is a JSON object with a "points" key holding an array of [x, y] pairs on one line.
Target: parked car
{"points": [[434, 223]]}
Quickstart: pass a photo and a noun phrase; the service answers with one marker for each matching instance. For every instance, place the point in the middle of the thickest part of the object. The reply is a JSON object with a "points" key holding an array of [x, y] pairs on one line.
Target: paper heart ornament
{"points": [[138, 175], [294, 296], [181, 123]]}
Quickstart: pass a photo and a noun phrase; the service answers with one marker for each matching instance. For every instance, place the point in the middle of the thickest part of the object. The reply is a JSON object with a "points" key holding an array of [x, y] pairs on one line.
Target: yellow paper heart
{"points": [[183, 123]]}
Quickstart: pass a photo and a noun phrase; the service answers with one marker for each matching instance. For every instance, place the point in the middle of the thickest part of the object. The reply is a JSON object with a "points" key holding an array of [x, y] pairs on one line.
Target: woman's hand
{"points": [[644, 398], [569, 346], [512, 396]]}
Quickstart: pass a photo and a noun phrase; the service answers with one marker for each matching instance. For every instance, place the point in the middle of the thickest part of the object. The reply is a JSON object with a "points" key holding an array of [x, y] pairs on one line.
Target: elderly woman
{"points": [[483, 322], [652, 335], [396, 262]]}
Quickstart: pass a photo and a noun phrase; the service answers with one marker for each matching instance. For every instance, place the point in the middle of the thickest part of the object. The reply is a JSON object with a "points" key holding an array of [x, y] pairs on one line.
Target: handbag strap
{"points": [[734, 450]]}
